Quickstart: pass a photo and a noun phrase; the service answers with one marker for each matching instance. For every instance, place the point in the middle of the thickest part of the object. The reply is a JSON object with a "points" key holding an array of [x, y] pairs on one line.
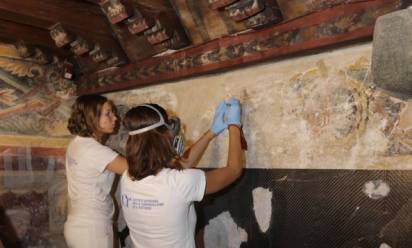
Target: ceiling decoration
{"points": [[152, 41], [147, 27], [331, 26], [33, 22], [209, 20]]}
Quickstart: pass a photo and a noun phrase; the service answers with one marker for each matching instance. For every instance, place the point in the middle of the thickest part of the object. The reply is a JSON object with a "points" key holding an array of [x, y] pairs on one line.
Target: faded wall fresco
{"points": [[31, 95], [318, 112], [34, 100], [313, 112], [32, 192]]}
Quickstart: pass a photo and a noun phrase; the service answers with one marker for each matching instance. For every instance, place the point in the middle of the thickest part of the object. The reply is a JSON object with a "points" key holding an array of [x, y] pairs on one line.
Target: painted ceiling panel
{"points": [[132, 33], [336, 25]]}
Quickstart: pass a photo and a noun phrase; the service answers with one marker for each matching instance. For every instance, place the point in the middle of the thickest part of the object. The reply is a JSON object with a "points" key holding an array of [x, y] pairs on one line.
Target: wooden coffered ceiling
{"points": [[122, 44]]}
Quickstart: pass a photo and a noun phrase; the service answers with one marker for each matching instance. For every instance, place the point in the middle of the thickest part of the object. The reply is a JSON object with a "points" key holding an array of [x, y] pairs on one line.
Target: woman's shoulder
{"points": [[85, 140], [86, 144], [175, 176], [91, 149], [179, 172], [187, 183]]}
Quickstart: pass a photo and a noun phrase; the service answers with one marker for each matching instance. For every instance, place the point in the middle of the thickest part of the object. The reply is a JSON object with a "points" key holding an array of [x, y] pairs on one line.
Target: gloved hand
{"points": [[233, 112], [219, 124]]}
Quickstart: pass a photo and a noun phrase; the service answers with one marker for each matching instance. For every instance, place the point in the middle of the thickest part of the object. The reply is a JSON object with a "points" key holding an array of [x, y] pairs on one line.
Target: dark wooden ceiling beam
{"points": [[11, 32], [331, 26], [162, 30], [79, 18], [75, 15], [21, 19]]}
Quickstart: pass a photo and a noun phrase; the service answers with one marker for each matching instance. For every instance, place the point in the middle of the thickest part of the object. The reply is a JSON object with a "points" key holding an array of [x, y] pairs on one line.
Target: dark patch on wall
{"points": [[27, 219], [319, 208], [32, 191]]}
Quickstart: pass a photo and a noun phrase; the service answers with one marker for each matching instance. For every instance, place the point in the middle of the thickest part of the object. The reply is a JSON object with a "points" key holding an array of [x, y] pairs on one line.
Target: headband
{"points": [[161, 122]]}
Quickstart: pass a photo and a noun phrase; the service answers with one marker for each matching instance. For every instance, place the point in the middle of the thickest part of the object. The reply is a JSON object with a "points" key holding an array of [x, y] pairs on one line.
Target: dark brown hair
{"points": [[147, 153], [84, 119]]}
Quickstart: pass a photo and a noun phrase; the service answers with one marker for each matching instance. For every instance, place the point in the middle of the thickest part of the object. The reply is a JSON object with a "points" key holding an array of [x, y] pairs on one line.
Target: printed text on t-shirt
{"points": [[148, 204]]}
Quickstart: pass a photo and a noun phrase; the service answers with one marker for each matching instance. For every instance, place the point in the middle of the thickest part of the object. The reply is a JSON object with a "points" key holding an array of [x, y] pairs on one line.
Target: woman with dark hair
{"points": [[158, 191], [90, 171]]}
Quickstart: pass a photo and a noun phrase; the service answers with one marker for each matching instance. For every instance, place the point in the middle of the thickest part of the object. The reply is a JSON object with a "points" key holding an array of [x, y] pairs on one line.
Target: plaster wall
{"points": [[32, 191], [313, 112], [316, 112]]}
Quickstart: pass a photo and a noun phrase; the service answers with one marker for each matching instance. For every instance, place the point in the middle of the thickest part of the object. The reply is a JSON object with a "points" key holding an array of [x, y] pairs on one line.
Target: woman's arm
{"points": [[118, 165], [193, 155], [195, 152], [218, 179]]}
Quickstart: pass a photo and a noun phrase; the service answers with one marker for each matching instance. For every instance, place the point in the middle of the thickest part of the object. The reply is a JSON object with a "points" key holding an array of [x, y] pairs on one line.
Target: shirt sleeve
{"points": [[191, 183], [100, 156]]}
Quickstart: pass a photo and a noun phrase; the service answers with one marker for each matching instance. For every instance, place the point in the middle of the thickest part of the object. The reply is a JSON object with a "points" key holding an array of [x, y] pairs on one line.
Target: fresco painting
{"points": [[326, 146], [32, 96]]}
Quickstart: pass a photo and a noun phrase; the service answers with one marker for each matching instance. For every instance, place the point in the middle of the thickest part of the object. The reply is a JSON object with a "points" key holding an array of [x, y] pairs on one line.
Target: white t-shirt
{"points": [[89, 184], [159, 210]]}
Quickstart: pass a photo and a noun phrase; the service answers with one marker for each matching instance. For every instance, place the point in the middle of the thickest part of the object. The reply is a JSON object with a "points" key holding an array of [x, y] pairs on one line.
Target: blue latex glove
{"points": [[219, 124], [233, 111]]}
